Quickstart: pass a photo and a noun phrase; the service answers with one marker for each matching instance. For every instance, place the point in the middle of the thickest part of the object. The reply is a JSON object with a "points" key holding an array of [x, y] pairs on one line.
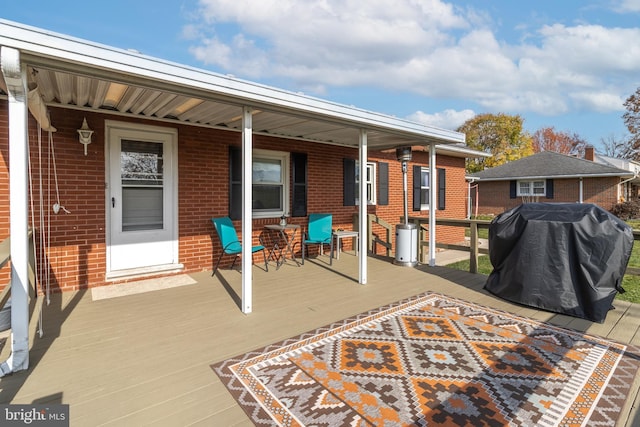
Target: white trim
{"points": [[534, 177], [285, 157], [425, 206], [144, 271], [531, 183], [455, 150], [374, 187], [171, 164]]}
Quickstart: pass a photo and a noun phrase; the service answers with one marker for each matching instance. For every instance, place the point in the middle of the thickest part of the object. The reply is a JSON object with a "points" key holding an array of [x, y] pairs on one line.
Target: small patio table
{"points": [[341, 234], [283, 243]]}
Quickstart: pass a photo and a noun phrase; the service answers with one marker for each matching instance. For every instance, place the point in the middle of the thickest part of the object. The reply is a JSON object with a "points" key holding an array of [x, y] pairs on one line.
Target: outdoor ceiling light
{"points": [[84, 134]]}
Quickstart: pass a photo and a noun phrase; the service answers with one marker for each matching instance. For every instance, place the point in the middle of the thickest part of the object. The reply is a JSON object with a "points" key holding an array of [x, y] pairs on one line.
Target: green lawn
{"points": [[630, 283]]}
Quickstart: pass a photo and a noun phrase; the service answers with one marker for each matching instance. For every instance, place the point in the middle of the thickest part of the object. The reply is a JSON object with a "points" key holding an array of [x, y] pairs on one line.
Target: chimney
{"points": [[589, 153]]}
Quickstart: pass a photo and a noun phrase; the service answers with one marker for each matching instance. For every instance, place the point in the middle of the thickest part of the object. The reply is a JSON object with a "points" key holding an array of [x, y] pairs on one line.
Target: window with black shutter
{"points": [[271, 183], [349, 182], [422, 187], [299, 172], [383, 183], [235, 183]]}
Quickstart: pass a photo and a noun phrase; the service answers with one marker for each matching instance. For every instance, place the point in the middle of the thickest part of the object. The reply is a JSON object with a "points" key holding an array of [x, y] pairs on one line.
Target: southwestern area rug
{"points": [[434, 360]]}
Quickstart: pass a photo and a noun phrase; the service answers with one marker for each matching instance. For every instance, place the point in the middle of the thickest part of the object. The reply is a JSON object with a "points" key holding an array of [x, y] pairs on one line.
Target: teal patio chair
{"points": [[319, 233], [230, 243]]}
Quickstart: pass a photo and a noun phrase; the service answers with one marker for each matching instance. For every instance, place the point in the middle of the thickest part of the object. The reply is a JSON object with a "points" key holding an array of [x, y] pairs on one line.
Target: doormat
{"points": [[140, 287], [434, 360]]}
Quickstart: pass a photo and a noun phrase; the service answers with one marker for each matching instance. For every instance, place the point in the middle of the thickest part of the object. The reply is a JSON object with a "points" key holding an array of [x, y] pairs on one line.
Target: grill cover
{"points": [[566, 258]]}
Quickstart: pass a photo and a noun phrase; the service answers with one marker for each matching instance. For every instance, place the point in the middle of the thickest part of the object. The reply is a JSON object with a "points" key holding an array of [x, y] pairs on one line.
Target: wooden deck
{"points": [[144, 359]]}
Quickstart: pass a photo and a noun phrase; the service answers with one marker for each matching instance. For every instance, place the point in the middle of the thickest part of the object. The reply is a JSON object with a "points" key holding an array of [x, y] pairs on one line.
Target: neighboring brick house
{"points": [[166, 156], [630, 186], [548, 177]]}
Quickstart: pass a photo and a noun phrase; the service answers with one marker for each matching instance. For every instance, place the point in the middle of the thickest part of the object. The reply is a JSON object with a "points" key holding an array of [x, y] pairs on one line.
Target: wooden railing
{"points": [[379, 233], [5, 257], [634, 271], [474, 248]]}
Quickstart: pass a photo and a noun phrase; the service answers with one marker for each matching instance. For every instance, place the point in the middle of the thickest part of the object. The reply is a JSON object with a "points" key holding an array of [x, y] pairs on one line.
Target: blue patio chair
{"points": [[230, 243], [319, 233]]}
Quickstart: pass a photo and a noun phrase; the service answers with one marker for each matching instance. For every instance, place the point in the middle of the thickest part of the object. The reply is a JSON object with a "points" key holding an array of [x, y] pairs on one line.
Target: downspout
{"points": [[469, 207], [477, 199], [16, 80]]}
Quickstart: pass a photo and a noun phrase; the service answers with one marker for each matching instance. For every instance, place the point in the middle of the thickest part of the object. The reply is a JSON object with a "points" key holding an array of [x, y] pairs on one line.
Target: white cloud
{"points": [[624, 6], [447, 119], [426, 47], [599, 101], [239, 51]]}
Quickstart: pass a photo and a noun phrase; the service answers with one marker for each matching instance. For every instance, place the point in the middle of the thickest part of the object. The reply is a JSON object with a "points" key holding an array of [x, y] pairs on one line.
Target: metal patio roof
{"points": [[75, 73]]}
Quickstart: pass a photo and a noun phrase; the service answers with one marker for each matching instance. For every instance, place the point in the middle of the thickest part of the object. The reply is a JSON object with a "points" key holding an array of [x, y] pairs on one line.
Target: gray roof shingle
{"points": [[548, 164]]}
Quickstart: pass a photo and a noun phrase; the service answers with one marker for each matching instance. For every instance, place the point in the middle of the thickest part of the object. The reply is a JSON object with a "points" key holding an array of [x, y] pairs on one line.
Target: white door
{"points": [[142, 231]]}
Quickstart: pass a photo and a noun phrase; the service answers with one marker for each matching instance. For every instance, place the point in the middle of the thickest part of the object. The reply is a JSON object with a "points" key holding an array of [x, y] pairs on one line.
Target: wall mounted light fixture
{"points": [[84, 134]]}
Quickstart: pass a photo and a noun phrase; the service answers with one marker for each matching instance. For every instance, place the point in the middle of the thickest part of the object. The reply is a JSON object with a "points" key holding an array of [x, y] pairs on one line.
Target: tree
{"points": [[500, 135], [548, 139], [619, 148], [632, 118]]}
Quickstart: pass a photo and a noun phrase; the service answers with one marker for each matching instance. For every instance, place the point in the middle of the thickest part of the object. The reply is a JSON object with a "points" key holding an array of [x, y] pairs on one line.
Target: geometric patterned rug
{"points": [[434, 360]]}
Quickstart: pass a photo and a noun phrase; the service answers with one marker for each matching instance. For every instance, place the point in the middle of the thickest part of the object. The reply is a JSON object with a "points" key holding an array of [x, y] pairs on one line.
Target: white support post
{"points": [[363, 211], [581, 192], [247, 209], [16, 80], [433, 207]]}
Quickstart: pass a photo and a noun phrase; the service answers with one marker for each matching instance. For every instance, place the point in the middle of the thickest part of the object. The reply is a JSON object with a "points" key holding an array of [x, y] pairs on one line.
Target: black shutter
{"points": [[349, 182], [235, 183], [549, 189], [299, 202], [442, 186], [383, 183], [513, 189], [417, 172]]}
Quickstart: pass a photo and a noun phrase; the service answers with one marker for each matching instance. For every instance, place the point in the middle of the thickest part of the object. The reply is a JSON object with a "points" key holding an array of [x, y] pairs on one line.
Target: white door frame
{"points": [[170, 168]]}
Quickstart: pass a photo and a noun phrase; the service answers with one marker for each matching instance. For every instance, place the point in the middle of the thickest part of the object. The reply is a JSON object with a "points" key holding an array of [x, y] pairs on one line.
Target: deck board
{"points": [[145, 359]]}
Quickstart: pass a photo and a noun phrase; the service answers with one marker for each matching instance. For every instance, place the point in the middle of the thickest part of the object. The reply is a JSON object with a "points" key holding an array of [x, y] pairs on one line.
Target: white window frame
{"points": [[531, 187], [284, 158], [424, 206], [371, 183]]}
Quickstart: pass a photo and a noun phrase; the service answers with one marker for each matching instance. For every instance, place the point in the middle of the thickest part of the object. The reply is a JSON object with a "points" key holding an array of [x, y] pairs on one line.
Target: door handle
{"points": [[113, 202]]}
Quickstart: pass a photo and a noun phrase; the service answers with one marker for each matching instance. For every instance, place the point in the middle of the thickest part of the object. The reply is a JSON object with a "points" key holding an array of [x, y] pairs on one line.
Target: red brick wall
{"points": [[494, 195], [77, 255]]}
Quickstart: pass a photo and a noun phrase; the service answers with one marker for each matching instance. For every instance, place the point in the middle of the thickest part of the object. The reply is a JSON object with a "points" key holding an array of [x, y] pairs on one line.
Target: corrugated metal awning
{"points": [[74, 73]]}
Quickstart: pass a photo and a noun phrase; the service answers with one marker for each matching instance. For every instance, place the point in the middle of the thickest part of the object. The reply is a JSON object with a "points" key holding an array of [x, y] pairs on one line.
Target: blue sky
{"points": [[568, 64]]}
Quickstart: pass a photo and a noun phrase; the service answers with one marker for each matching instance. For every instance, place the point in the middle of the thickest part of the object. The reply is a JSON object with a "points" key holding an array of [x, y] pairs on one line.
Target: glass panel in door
{"points": [[142, 185]]}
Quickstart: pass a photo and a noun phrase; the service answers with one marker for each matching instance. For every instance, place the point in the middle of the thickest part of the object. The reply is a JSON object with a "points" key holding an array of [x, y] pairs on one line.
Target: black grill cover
{"points": [[566, 258]]}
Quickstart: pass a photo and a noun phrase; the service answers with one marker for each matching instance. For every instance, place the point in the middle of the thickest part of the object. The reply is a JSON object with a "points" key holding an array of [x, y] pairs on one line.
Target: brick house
{"points": [[166, 155], [549, 177]]}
